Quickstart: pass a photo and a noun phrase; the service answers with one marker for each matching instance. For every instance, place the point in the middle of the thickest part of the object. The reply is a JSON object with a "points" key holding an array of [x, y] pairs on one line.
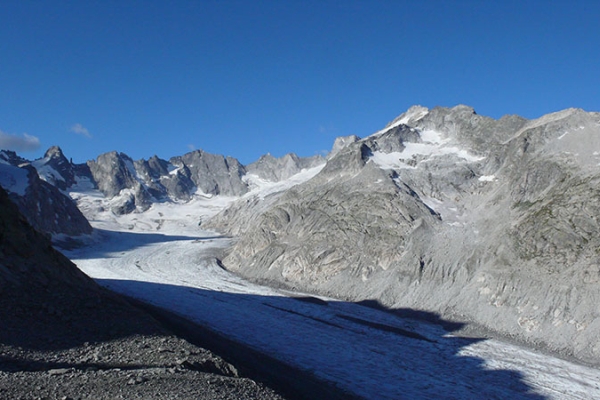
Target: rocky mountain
{"points": [[136, 185], [42, 187], [489, 221], [41, 201], [140, 183]]}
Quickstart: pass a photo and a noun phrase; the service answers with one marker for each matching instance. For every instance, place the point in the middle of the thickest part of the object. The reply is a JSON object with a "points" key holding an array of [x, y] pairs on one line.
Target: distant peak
{"points": [[54, 152], [464, 108]]}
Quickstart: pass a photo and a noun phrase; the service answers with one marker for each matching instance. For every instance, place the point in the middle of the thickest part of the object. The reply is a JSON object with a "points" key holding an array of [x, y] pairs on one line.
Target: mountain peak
{"points": [[54, 152]]}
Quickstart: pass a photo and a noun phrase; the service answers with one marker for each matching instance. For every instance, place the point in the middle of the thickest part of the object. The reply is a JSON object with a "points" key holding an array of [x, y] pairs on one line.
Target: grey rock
{"points": [[11, 158], [213, 174], [276, 169], [113, 172], [59, 371], [340, 143], [140, 183], [163, 181], [55, 169], [55, 159]]}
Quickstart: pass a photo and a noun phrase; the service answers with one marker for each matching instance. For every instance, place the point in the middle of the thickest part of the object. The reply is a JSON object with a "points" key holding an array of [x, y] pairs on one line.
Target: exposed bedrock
{"points": [[490, 221]]}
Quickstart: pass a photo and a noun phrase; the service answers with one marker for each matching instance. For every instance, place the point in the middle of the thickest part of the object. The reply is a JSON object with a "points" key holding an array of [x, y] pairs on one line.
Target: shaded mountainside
{"points": [[41, 201], [491, 221], [63, 336]]}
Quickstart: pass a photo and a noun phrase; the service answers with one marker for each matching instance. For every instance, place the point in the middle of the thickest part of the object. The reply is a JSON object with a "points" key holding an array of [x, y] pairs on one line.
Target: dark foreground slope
{"points": [[62, 336]]}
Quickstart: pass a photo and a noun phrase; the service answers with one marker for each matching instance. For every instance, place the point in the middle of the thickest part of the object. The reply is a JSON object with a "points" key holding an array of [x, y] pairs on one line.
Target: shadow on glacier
{"points": [[371, 350], [119, 241]]}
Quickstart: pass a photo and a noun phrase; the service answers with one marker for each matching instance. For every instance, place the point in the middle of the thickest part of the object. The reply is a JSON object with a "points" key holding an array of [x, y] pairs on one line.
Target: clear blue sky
{"points": [[244, 78]]}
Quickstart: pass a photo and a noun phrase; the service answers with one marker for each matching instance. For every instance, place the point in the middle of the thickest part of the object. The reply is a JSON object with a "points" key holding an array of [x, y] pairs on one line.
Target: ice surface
{"points": [[263, 187]]}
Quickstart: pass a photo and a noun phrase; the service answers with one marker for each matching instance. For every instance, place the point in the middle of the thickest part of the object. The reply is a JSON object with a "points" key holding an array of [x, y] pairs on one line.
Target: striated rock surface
{"points": [[489, 221]]}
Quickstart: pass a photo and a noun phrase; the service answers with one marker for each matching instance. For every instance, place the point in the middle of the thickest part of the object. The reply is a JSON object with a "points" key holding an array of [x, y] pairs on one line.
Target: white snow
{"points": [[433, 145], [263, 188], [487, 178], [163, 257], [46, 172], [14, 179], [412, 115], [173, 170]]}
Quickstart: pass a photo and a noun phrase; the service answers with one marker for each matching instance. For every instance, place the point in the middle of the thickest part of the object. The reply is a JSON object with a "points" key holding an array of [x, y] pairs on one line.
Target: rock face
{"points": [[213, 174], [490, 221], [56, 169], [140, 183], [274, 169], [135, 185]]}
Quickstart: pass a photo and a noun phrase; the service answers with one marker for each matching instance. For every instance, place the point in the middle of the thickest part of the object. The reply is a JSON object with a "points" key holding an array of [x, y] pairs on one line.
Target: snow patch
{"points": [[413, 114], [487, 178], [14, 179], [434, 145], [263, 188], [46, 172]]}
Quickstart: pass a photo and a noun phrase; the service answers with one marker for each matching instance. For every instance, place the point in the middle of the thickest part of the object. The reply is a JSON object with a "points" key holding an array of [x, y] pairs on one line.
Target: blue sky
{"points": [[244, 78]]}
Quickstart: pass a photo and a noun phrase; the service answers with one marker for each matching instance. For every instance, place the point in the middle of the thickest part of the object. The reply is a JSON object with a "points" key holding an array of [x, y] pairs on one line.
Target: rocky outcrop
{"points": [[55, 168], [163, 180], [11, 158], [213, 174], [489, 221], [113, 172]]}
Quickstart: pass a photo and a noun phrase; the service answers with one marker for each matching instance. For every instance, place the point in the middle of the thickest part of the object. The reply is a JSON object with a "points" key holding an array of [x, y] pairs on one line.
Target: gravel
{"points": [[70, 346]]}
